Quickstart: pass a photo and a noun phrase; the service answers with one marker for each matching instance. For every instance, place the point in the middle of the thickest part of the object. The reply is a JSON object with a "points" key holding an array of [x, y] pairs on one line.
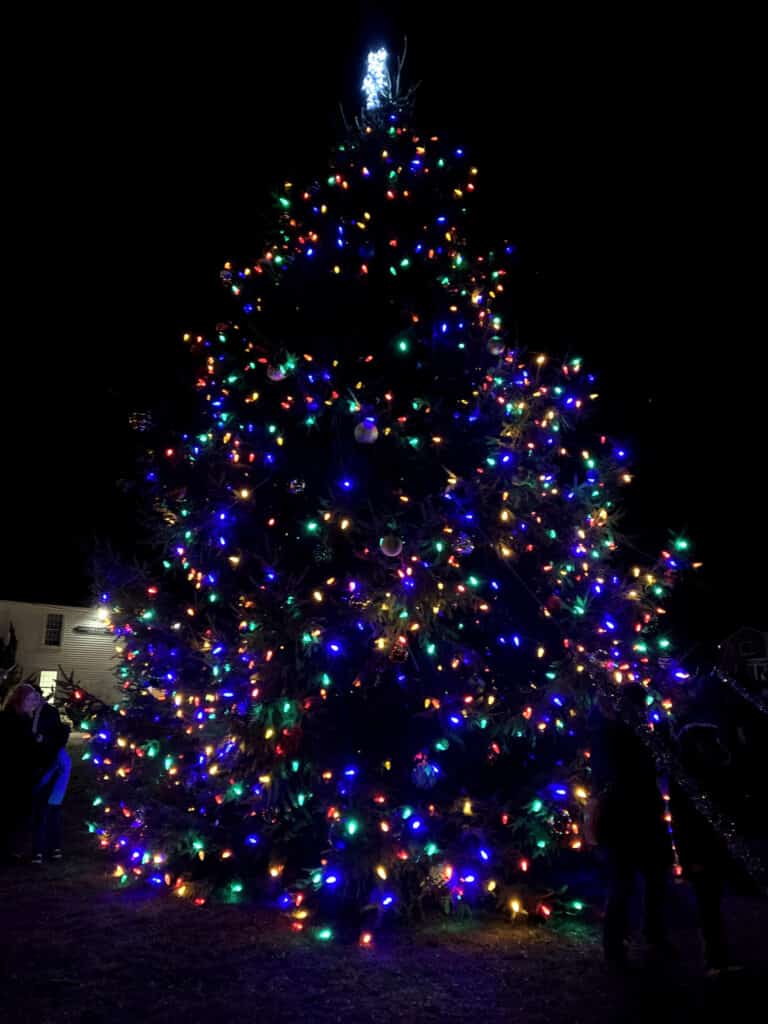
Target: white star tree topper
{"points": [[376, 84]]}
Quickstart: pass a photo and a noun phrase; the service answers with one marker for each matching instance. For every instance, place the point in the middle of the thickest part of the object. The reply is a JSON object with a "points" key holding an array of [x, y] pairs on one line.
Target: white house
{"points": [[50, 636]]}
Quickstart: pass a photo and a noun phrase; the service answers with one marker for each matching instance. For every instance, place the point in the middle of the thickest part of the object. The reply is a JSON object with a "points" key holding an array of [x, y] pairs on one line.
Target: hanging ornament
{"points": [[440, 874], [398, 652], [366, 432], [425, 774], [496, 347], [140, 421], [297, 486], [290, 739], [511, 432], [276, 373], [169, 517], [464, 545], [322, 554], [391, 545]]}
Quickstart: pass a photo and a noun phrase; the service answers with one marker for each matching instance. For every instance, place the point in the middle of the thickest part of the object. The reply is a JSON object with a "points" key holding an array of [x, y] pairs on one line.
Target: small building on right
{"points": [[744, 655]]}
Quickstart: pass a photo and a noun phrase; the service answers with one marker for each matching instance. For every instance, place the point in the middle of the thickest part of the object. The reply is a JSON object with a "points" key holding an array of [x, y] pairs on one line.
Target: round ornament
{"points": [[425, 774], [366, 432], [464, 544], [391, 545]]}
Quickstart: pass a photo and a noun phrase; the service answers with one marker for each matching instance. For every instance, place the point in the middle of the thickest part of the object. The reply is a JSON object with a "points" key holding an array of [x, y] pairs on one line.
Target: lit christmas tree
{"points": [[390, 575]]}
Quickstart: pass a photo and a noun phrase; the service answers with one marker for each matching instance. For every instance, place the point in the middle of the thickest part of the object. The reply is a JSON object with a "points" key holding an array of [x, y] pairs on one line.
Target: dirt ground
{"points": [[74, 949]]}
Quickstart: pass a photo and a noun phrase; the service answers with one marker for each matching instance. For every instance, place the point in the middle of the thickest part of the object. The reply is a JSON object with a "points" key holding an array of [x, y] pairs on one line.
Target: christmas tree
{"points": [[389, 576]]}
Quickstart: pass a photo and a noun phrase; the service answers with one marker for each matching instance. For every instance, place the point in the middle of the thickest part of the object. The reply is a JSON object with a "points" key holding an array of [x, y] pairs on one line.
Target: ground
{"points": [[75, 949]]}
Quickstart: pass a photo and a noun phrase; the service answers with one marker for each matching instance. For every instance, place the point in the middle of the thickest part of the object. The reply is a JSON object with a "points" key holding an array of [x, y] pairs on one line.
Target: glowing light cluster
{"points": [[376, 87]]}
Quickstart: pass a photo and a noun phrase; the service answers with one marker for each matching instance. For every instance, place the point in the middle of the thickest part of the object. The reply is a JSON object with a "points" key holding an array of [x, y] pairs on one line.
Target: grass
{"points": [[73, 948]]}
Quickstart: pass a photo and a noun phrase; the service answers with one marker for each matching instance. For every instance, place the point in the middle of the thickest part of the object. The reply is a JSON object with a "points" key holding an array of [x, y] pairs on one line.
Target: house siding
{"points": [[89, 656]]}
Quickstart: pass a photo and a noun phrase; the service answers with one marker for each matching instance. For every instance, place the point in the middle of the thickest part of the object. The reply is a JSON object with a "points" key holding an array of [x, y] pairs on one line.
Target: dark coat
{"points": [[18, 768], [630, 809], [49, 735], [708, 767], [697, 841]]}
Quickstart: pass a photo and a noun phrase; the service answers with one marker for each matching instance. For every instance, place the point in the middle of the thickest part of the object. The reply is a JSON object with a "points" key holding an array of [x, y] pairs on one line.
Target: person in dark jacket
{"points": [[17, 775], [628, 822], [51, 767], [703, 854]]}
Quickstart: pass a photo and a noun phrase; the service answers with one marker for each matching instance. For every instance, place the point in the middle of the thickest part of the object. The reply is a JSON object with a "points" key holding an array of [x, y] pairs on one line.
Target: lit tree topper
{"points": [[376, 84]]}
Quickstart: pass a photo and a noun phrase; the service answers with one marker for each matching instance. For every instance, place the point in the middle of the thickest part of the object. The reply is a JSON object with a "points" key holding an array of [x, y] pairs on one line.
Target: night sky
{"points": [[621, 157]]}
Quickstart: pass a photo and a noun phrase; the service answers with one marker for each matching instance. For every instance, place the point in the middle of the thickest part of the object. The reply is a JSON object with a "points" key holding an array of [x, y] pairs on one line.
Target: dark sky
{"points": [[620, 153]]}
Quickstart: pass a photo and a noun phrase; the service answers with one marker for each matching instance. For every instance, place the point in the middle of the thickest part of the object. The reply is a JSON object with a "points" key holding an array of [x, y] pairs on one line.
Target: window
{"points": [[53, 627], [48, 684]]}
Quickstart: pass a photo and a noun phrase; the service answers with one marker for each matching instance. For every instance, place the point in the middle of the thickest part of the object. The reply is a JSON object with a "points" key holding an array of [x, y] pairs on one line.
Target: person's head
{"points": [[23, 699], [628, 700], [633, 697], [701, 749]]}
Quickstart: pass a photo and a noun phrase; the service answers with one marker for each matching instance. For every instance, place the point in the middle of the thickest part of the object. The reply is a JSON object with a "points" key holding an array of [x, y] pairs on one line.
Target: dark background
{"points": [[619, 153]]}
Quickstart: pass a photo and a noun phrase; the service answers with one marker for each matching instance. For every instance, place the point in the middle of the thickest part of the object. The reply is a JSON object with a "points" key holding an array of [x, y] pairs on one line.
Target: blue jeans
{"points": [[57, 777], [47, 817]]}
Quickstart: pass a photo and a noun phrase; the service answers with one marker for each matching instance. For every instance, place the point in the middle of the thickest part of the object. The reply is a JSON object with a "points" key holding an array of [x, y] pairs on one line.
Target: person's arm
{"points": [[600, 777], [601, 765], [52, 735]]}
